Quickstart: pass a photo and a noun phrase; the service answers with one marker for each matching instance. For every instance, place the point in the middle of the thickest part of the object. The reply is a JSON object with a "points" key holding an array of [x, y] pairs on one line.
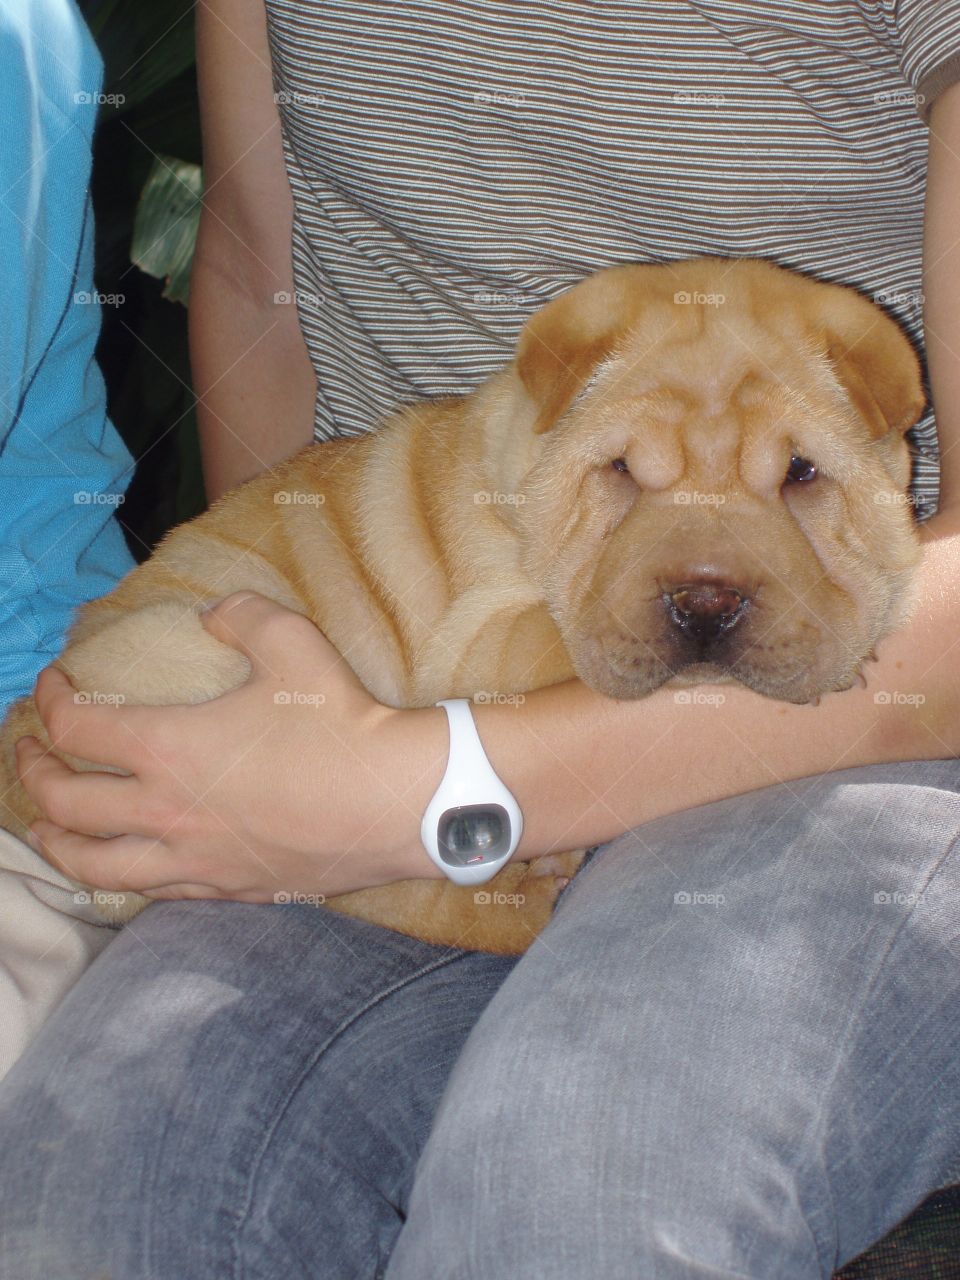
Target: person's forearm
{"points": [[941, 287], [586, 768], [253, 378]]}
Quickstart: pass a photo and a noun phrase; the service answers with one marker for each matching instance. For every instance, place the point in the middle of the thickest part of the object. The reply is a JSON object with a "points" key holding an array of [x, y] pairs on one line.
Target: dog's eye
{"points": [[800, 471], [620, 464]]}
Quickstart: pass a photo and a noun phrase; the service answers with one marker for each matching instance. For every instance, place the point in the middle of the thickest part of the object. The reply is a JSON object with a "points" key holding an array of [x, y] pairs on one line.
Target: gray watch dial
{"points": [[473, 834]]}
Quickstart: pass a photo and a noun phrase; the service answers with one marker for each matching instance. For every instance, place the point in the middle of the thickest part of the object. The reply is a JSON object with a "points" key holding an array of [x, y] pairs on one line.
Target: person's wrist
{"points": [[410, 756]]}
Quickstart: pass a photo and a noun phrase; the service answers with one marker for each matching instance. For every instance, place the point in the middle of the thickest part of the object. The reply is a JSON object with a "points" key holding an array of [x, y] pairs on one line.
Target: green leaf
{"points": [[165, 225]]}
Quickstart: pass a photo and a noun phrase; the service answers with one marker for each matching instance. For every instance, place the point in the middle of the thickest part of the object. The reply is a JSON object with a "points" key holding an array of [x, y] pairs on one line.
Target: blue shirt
{"points": [[63, 468]]}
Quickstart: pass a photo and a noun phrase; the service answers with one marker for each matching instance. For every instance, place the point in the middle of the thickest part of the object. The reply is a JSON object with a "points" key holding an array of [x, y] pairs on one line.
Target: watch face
{"points": [[473, 834]]}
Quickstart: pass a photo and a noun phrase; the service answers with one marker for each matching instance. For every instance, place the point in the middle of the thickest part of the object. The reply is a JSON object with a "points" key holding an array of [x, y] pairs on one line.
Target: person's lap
{"points": [[758, 1083], [232, 1086], [756, 1086]]}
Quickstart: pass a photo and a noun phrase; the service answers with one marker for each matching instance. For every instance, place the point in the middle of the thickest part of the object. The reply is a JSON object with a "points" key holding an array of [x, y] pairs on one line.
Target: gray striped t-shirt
{"points": [[455, 164]]}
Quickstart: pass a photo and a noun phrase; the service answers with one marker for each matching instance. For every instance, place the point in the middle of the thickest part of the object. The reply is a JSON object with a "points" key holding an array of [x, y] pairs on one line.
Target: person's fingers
{"points": [[122, 864], [103, 733], [93, 802], [276, 641], [125, 864]]}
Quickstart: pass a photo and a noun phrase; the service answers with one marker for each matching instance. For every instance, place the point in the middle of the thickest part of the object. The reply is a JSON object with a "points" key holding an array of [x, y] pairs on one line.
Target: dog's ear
{"points": [[562, 345], [876, 364]]}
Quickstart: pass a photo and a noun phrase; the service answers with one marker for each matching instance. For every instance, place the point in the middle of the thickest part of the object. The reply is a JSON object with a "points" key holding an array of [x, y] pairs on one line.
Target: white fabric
{"points": [[49, 934]]}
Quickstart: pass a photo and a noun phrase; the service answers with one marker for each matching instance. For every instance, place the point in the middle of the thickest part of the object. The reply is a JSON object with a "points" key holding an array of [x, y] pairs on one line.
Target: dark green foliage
{"points": [[148, 52]]}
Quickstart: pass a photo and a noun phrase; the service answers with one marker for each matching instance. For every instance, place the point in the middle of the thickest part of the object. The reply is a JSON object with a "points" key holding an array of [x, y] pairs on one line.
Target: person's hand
{"points": [[296, 782]]}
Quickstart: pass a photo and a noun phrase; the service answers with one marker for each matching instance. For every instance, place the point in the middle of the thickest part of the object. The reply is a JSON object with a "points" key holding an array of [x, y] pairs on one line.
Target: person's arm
{"points": [[245, 797], [941, 285], [251, 372], [63, 467]]}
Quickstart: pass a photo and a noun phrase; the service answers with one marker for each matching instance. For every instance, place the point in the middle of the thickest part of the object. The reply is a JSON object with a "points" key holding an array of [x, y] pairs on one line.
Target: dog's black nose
{"points": [[705, 611]]}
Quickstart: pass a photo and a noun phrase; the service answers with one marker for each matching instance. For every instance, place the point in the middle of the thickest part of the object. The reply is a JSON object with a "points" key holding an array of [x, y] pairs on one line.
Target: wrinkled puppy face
{"points": [[720, 487]]}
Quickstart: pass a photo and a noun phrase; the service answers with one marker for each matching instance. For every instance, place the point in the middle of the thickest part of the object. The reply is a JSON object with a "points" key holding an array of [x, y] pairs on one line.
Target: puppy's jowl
{"points": [[656, 489]]}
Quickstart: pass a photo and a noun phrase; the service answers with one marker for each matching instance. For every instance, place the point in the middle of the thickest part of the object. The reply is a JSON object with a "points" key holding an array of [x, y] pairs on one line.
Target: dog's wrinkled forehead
{"points": [[705, 381], [702, 325]]}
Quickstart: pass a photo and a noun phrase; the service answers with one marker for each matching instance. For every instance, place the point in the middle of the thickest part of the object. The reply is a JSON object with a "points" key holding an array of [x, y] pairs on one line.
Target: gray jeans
{"points": [[734, 1052]]}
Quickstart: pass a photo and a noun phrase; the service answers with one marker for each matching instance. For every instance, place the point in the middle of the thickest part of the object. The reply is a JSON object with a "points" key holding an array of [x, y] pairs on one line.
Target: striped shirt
{"points": [[455, 164]]}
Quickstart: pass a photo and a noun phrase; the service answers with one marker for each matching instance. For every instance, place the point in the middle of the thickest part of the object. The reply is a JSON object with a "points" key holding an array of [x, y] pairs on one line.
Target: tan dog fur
{"points": [[488, 543]]}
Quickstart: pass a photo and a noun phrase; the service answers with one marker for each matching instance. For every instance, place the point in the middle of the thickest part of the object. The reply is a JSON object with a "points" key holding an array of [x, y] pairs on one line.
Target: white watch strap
{"points": [[468, 763]]}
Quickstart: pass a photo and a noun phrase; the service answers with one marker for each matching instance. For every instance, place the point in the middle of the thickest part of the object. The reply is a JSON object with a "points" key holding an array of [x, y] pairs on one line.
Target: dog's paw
{"points": [[558, 868], [545, 878]]}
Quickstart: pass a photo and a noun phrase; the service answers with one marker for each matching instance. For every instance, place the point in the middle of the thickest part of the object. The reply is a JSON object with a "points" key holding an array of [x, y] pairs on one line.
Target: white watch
{"points": [[473, 823]]}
